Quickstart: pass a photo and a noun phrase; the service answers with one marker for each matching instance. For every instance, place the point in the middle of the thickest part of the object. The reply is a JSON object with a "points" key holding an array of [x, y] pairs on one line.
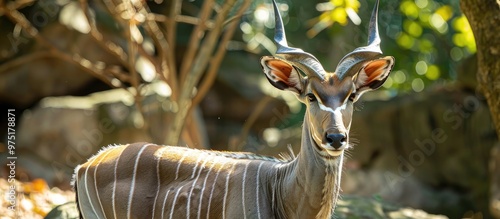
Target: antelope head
{"points": [[329, 96]]}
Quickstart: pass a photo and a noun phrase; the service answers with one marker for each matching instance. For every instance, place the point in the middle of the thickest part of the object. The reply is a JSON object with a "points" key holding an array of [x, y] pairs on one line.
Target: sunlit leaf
{"points": [[424, 17], [421, 67], [337, 12], [439, 23], [426, 45], [405, 41], [417, 84], [464, 36], [413, 28], [399, 77], [409, 8], [445, 12], [459, 39], [461, 24], [432, 72], [421, 3]]}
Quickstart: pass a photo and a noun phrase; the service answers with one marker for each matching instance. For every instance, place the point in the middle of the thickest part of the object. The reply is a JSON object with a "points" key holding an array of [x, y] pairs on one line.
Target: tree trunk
{"points": [[484, 18]]}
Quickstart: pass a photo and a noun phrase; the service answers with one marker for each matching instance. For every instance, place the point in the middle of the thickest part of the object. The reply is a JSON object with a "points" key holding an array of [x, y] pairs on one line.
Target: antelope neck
{"points": [[309, 185]]}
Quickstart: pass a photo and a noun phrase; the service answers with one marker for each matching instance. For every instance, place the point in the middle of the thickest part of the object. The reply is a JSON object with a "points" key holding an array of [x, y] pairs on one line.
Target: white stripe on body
{"points": [[203, 189], [213, 187], [274, 188], [257, 181], [132, 185], [243, 190], [113, 203], [196, 165], [180, 162], [159, 182], [173, 203], [188, 209], [86, 185], [164, 203], [95, 181], [226, 191]]}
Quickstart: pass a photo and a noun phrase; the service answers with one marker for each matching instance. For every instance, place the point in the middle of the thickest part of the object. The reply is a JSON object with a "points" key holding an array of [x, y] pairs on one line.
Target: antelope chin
{"points": [[332, 151]]}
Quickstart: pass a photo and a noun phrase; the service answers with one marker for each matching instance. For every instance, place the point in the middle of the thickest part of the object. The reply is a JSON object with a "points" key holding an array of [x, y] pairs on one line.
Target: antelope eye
{"points": [[352, 97], [311, 97]]}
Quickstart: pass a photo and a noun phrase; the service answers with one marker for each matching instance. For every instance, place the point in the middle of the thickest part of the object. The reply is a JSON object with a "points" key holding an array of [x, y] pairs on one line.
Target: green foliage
{"points": [[435, 36], [335, 11], [428, 38], [432, 37]]}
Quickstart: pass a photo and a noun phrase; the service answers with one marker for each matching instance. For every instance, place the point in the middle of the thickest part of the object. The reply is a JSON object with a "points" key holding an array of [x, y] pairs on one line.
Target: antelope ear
{"points": [[282, 74], [373, 74]]}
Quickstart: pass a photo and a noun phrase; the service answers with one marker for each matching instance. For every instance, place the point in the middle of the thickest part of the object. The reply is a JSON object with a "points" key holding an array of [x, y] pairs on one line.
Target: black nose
{"points": [[336, 140]]}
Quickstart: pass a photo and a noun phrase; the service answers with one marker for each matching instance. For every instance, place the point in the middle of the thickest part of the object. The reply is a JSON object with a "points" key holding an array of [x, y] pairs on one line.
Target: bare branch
{"points": [[98, 38], [19, 4], [28, 58], [194, 41], [209, 24], [171, 31], [116, 72], [132, 53], [167, 63], [219, 55], [18, 18], [196, 72], [251, 120]]}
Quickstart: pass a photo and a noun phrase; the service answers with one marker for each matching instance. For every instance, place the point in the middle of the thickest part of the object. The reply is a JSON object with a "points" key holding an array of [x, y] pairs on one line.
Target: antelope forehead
{"points": [[332, 88]]}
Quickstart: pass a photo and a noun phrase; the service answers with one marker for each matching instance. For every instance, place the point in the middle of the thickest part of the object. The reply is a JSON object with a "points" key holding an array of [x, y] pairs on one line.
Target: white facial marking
{"points": [[329, 109]]}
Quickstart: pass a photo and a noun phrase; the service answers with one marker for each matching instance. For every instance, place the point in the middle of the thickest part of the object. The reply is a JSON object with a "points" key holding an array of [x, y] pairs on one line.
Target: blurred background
{"points": [[85, 74]]}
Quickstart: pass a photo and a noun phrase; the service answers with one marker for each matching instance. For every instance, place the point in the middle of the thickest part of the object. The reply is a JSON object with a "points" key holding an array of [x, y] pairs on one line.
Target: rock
{"points": [[428, 150], [44, 74], [348, 207], [64, 211], [372, 208]]}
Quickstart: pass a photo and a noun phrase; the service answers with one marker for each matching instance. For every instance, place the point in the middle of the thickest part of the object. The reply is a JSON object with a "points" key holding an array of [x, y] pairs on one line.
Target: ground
{"points": [[33, 199]]}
